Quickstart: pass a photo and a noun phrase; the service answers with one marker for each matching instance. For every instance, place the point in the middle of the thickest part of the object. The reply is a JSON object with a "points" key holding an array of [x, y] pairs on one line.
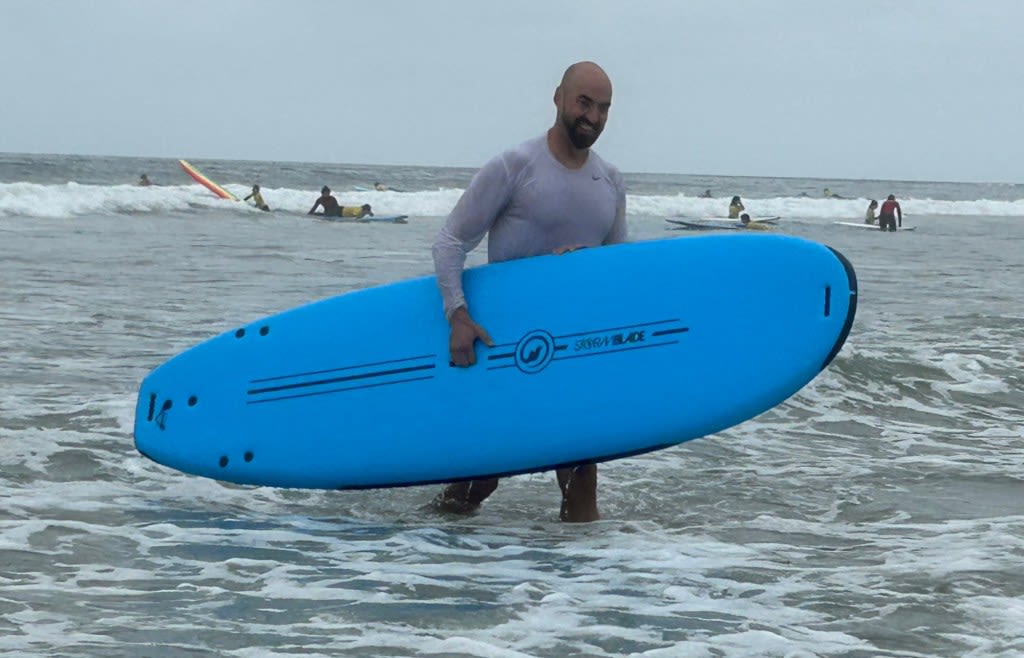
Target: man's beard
{"points": [[580, 139]]}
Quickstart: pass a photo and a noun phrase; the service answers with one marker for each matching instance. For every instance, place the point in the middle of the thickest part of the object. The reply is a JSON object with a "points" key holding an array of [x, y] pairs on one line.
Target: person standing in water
{"points": [[735, 208], [869, 214], [890, 215], [549, 194]]}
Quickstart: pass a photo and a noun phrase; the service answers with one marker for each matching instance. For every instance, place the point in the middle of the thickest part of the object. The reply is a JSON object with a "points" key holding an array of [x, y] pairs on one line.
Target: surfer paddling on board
{"points": [[333, 209], [890, 215], [753, 226], [550, 194]]}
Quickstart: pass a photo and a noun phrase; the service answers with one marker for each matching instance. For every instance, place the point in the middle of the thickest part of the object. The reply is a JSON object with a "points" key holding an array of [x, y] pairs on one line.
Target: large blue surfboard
{"points": [[600, 354]]}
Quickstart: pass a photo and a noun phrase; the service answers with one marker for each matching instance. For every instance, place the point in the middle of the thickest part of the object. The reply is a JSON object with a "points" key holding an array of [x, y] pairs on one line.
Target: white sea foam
{"points": [[73, 199]]}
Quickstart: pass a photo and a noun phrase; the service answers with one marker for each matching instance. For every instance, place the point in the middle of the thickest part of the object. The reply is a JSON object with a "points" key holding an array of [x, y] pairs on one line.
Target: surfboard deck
{"points": [[766, 219], [873, 227], [599, 354], [680, 225], [200, 178], [393, 219], [732, 225]]}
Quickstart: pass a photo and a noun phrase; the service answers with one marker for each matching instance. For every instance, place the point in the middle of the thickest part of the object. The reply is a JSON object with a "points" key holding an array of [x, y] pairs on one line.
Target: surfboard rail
{"points": [[865, 225]]}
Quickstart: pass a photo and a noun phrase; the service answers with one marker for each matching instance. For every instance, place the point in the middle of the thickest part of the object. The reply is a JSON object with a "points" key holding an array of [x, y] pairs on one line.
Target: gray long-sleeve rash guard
{"points": [[531, 204]]}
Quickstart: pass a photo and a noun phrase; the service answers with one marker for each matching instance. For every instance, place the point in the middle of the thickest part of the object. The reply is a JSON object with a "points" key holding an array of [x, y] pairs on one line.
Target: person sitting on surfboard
{"points": [[869, 214], [333, 209], [735, 208], [257, 198], [549, 194], [889, 213]]}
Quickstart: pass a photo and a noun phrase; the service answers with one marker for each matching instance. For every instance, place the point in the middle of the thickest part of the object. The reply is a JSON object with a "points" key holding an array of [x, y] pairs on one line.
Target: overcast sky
{"points": [[892, 89]]}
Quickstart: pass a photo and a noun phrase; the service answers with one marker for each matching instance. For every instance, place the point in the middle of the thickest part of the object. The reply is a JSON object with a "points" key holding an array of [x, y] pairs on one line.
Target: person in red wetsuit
{"points": [[890, 215]]}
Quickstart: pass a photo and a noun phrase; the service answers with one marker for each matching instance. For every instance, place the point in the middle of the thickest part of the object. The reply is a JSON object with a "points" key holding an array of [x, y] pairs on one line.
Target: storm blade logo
{"points": [[534, 351], [532, 356]]}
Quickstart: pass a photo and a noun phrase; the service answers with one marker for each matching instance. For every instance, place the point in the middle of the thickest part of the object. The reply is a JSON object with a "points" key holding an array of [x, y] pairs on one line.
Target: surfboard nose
{"points": [[831, 303]]}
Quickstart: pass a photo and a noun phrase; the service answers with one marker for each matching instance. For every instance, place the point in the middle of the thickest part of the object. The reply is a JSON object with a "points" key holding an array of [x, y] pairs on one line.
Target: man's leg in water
{"points": [[464, 497], [579, 493]]}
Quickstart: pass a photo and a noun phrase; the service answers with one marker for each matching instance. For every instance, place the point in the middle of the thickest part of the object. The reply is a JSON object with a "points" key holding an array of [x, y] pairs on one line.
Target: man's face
{"points": [[583, 109]]}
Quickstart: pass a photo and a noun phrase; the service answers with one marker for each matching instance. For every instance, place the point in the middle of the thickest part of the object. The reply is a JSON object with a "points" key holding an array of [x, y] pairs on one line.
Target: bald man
{"points": [[548, 195]]}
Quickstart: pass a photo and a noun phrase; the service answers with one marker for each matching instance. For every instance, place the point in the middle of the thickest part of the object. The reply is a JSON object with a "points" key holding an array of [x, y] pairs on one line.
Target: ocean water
{"points": [[879, 512]]}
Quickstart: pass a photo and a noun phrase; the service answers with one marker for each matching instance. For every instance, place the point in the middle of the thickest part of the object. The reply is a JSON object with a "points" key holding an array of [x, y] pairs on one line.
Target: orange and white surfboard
{"points": [[206, 182]]}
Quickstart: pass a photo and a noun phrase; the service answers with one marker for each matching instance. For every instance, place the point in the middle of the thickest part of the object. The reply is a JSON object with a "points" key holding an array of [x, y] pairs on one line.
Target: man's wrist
{"points": [[460, 312]]}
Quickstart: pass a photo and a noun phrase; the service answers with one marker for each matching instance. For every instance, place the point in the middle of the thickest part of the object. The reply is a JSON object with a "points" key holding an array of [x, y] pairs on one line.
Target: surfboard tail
{"points": [[851, 309]]}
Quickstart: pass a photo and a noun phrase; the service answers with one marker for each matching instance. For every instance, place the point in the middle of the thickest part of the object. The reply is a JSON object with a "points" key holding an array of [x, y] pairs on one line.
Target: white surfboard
{"points": [[873, 227]]}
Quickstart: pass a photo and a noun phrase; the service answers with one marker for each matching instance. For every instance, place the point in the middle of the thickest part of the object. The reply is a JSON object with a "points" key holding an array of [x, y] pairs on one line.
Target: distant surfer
{"points": [[330, 205], [735, 208], [869, 214], [829, 194], [257, 198], [550, 194], [706, 194], [753, 226], [380, 187], [357, 211], [333, 209], [144, 181], [890, 215]]}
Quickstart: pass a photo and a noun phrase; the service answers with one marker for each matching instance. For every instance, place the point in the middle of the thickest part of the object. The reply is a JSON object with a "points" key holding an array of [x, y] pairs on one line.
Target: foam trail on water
{"points": [[74, 199]]}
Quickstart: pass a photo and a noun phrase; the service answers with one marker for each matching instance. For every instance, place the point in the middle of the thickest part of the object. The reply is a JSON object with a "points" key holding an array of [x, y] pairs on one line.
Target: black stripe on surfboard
{"points": [[665, 332], [338, 380], [597, 352], [312, 373], [597, 331], [339, 390]]}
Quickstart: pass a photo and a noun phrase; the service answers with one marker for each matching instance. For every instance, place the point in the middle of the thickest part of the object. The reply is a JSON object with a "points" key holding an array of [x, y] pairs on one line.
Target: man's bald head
{"points": [[583, 99], [585, 71]]}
